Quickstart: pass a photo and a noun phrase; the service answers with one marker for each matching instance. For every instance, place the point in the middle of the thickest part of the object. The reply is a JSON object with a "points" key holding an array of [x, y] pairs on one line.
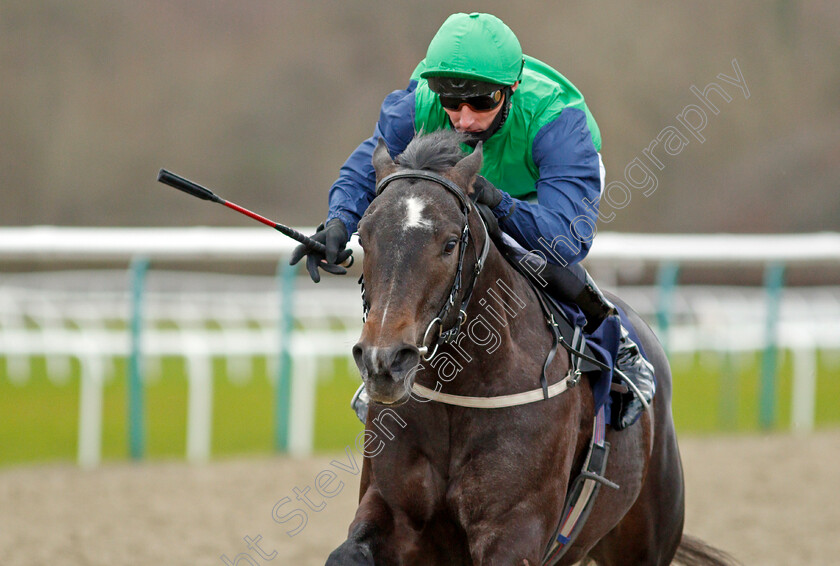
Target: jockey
{"points": [[542, 174]]}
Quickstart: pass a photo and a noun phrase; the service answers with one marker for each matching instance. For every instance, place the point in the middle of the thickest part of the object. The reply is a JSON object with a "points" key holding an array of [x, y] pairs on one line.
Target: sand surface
{"points": [[769, 500]]}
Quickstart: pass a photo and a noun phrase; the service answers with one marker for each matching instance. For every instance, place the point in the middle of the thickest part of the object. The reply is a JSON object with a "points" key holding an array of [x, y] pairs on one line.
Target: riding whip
{"points": [[196, 190]]}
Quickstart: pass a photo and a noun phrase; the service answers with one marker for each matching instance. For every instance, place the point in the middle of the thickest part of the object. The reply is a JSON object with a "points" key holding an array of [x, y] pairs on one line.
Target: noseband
{"points": [[435, 335]]}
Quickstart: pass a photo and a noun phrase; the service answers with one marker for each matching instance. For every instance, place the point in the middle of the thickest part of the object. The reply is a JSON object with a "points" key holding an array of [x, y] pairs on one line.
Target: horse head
{"points": [[420, 258]]}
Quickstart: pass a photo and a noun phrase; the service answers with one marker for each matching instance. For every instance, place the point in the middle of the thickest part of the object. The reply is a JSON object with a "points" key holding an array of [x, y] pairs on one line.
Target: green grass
{"points": [[714, 392], [39, 419]]}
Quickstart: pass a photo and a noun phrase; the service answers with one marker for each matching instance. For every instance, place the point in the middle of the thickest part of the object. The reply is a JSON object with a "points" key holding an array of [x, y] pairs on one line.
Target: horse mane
{"points": [[436, 151]]}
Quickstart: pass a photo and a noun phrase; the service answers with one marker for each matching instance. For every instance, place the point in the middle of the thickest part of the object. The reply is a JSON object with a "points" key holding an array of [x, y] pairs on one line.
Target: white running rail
{"points": [[84, 315]]}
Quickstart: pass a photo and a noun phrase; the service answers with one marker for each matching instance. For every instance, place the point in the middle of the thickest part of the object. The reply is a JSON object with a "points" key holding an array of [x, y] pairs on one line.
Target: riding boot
{"points": [[360, 403], [594, 305], [637, 373], [632, 367]]}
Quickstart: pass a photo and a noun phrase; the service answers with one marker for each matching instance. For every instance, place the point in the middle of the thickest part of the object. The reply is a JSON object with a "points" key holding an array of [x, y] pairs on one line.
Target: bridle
{"points": [[591, 476], [435, 335]]}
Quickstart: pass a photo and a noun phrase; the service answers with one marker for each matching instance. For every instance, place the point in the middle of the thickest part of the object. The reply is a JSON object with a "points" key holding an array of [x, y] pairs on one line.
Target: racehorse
{"points": [[445, 484]]}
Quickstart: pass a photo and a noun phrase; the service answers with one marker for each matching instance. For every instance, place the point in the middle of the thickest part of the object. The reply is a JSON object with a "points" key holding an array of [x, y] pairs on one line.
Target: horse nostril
{"points": [[404, 359], [389, 362], [358, 355]]}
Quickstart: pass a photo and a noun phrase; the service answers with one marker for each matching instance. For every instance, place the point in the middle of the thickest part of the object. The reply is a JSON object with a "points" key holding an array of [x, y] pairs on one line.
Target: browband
{"points": [[429, 176]]}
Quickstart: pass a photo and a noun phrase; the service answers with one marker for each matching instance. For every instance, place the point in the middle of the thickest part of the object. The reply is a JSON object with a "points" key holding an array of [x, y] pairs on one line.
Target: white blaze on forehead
{"points": [[414, 213], [414, 207]]}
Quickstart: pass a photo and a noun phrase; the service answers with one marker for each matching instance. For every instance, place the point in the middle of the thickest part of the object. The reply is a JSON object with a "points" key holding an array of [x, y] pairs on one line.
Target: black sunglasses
{"points": [[481, 103]]}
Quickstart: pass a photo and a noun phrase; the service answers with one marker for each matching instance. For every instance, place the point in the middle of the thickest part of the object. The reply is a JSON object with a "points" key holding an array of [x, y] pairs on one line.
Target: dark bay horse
{"points": [[452, 485]]}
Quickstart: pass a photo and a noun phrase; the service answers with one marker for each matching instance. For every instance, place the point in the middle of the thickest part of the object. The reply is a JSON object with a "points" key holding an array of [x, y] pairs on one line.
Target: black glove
{"points": [[486, 198], [334, 237], [486, 193]]}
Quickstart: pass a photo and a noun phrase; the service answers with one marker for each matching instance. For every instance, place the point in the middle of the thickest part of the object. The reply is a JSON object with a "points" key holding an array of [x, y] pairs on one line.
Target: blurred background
{"points": [[264, 100], [128, 355]]}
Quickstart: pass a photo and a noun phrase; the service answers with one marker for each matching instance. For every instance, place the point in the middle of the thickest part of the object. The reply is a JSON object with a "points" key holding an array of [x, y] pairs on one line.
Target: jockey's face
{"points": [[465, 119]]}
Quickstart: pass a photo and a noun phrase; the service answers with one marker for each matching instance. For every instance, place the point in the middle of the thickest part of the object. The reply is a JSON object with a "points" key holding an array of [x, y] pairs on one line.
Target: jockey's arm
{"points": [[355, 187], [561, 225]]}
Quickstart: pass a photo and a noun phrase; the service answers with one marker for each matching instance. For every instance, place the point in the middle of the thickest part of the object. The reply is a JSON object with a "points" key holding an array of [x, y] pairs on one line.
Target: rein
{"points": [[435, 335]]}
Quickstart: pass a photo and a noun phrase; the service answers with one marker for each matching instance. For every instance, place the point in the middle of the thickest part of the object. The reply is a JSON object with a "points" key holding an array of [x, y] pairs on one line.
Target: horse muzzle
{"points": [[386, 370]]}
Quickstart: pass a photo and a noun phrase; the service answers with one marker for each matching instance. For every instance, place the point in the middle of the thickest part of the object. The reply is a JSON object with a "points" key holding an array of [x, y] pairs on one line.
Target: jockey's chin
{"points": [[470, 130], [466, 120]]}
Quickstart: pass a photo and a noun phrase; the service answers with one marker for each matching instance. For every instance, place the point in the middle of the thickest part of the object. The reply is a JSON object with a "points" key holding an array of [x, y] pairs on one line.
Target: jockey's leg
{"points": [[637, 373], [631, 366], [572, 284]]}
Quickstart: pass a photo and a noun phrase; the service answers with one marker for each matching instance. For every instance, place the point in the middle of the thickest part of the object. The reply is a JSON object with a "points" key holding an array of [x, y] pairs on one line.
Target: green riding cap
{"points": [[475, 46]]}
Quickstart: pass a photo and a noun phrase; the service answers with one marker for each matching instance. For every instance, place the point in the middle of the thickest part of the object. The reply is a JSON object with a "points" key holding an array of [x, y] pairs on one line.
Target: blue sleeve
{"points": [[355, 187], [562, 224]]}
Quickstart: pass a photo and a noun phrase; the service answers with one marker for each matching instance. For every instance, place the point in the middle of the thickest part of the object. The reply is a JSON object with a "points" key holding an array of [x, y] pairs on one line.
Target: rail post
{"points": [[286, 275], [667, 276], [803, 403], [136, 417], [774, 277]]}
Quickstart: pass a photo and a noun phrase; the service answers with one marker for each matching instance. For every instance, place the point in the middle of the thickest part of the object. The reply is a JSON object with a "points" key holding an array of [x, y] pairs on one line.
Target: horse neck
{"points": [[503, 298]]}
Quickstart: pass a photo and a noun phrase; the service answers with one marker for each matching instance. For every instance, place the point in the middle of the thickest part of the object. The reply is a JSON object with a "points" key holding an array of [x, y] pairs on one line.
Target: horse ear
{"points": [[382, 162], [465, 170]]}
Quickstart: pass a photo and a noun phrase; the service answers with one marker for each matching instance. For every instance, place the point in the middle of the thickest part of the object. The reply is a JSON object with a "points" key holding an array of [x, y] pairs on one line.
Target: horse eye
{"points": [[450, 246]]}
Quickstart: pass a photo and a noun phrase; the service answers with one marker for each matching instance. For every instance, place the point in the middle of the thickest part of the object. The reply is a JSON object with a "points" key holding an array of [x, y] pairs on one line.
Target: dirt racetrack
{"points": [[770, 500]]}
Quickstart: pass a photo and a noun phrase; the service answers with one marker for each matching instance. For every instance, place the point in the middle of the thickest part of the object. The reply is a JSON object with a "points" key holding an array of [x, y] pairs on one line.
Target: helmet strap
{"points": [[497, 123]]}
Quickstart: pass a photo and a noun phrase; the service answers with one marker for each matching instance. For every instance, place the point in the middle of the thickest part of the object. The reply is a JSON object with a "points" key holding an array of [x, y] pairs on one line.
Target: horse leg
{"points": [[355, 551], [382, 534], [513, 525], [373, 522], [513, 538]]}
